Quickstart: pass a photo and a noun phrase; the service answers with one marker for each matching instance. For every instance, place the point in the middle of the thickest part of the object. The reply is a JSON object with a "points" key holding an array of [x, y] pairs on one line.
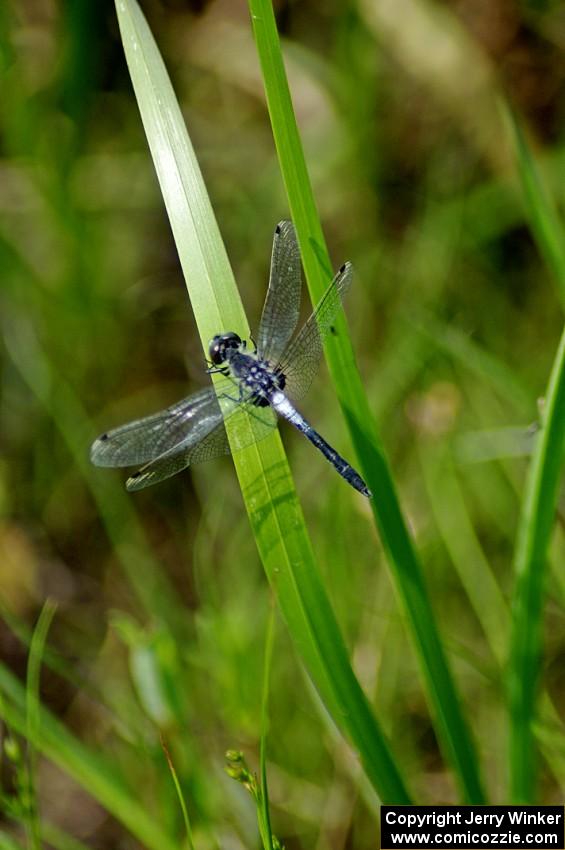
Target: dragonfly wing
{"points": [[146, 439], [282, 303], [247, 425], [179, 458], [213, 444], [300, 360]]}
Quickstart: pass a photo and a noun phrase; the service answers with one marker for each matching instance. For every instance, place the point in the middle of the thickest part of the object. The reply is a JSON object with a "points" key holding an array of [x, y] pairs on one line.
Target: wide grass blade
{"points": [[262, 469], [451, 726]]}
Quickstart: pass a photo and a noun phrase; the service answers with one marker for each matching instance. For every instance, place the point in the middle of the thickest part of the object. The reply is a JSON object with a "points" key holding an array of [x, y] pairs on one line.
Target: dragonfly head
{"points": [[221, 346]]}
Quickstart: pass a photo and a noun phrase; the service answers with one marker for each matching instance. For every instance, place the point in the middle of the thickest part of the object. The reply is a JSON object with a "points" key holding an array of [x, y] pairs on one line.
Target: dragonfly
{"points": [[252, 386]]}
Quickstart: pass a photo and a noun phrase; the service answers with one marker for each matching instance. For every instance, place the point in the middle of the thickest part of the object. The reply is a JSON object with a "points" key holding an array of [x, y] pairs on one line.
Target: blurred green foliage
{"points": [[162, 604]]}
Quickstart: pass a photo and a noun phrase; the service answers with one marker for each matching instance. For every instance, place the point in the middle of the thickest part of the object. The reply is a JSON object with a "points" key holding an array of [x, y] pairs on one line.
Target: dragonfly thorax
{"points": [[255, 377]]}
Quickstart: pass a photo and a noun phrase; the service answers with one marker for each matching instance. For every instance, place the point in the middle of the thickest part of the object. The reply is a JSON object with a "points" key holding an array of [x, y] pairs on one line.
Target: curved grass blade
{"points": [[452, 728], [262, 469]]}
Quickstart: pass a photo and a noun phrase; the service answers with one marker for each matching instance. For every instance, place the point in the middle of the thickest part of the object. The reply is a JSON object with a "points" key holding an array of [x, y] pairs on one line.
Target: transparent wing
{"points": [[300, 360], [178, 458], [190, 431], [249, 424], [146, 439], [282, 303]]}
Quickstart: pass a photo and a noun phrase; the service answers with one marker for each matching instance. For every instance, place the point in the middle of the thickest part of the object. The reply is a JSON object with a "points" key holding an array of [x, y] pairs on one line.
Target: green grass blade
{"points": [[180, 795], [462, 543], [262, 469], [89, 769], [60, 840], [544, 221], [538, 512], [475, 359], [33, 730], [539, 503], [266, 816], [451, 726]]}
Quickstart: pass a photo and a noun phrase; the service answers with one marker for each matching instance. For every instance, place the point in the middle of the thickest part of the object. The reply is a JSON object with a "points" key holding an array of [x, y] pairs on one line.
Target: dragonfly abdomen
{"points": [[285, 409]]}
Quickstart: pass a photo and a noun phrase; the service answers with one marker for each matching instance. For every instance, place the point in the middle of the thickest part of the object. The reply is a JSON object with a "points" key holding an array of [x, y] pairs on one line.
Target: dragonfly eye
{"points": [[220, 346]]}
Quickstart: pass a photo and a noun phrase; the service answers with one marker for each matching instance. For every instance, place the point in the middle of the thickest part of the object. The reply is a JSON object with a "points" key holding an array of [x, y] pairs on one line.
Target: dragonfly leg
{"points": [[231, 398], [238, 399]]}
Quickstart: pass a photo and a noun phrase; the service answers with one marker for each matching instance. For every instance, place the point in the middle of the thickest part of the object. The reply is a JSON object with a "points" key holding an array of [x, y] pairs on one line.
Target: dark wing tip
{"points": [[284, 224], [138, 480]]}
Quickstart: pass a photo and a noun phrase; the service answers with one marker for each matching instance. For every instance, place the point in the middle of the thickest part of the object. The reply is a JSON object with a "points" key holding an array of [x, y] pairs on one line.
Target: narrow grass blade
{"points": [[544, 221], [238, 769], [262, 469], [33, 731], [536, 523], [180, 796], [452, 728], [475, 359], [89, 769], [266, 817], [463, 545], [540, 500]]}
